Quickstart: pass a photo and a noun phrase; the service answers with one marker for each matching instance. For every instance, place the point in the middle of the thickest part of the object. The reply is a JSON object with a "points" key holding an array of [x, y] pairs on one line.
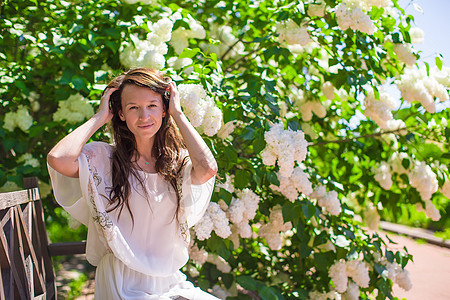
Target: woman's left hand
{"points": [[174, 102]]}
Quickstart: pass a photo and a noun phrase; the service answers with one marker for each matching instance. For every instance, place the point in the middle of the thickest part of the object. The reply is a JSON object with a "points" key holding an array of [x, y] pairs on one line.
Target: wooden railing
{"points": [[25, 255]]}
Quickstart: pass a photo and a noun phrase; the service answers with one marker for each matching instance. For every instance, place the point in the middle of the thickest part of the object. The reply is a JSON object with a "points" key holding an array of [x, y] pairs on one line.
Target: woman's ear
{"points": [[121, 116]]}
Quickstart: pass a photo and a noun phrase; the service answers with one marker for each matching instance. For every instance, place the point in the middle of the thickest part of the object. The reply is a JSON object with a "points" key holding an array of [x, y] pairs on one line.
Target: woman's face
{"points": [[142, 110]]}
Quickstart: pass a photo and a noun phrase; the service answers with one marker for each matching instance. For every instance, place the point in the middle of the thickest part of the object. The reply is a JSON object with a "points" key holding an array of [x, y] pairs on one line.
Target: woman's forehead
{"points": [[134, 93]]}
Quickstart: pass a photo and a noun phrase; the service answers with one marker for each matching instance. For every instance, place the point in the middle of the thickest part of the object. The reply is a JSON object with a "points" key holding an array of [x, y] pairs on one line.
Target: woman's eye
{"points": [[152, 105], [133, 107]]}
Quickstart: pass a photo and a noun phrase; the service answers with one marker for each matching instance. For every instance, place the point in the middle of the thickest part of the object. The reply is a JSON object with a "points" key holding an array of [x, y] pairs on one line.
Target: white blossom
{"points": [[271, 230], [379, 110], [338, 274], [198, 255], [220, 263], [398, 275], [330, 203], [292, 34], [359, 272], [20, 118], [404, 54], [354, 18], [417, 35], [28, 159], [287, 146], [445, 189], [352, 292], [291, 186], [328, 90], [424, 180], [74, 109], [383, 175], [316, 9]]}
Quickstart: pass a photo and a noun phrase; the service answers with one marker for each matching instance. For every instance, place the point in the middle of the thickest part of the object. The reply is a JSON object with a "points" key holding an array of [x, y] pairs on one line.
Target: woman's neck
{"points": [[144, 157]]}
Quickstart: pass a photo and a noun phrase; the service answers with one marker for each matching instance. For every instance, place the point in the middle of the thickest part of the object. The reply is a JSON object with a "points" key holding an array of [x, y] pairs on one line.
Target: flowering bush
{"points": [[294, 99]]}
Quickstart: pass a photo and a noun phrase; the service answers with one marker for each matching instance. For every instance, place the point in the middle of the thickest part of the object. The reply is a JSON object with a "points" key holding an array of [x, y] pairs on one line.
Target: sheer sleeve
{"points": [[194, 198], [67, 192]]}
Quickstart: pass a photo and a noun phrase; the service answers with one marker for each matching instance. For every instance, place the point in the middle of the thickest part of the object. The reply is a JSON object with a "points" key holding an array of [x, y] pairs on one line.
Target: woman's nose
{"points": [[144, 114]]}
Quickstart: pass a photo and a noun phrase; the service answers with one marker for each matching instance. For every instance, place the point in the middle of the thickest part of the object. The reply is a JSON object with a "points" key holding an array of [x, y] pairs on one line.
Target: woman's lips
{"points": [[145, 126]]}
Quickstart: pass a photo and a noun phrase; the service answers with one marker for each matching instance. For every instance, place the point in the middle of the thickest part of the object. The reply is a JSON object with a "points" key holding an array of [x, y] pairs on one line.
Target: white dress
{"points": [[139, 260]]}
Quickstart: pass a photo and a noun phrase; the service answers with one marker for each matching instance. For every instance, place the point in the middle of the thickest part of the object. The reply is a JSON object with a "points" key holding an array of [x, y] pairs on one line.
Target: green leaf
{"points": [[242, 178], [438, 63], [189, 53], [268, 293], [308, 210]]}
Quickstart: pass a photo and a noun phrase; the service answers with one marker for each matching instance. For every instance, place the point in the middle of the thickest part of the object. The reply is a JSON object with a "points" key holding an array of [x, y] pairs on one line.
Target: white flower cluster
{"points": [[307, 107], [405, 53], [181, 36], [228, 129], [226, 38], [424, 180], [221, 264], [315, 295], [284, 146], [196, 254], [445, 189], [150, 52], [328, 90], [214, 219], [398, 275], [316, 9], [420, 176], [200, 108], [74, 109], [383, 175], [354, 18], [228, 185], [20, 118], [291, 33], [28, 159], [415, 85], [379, 110], [417, 35], [271, 231], [291, 186], [328, 201], [355, 269], [372, 217], [243, 209]]}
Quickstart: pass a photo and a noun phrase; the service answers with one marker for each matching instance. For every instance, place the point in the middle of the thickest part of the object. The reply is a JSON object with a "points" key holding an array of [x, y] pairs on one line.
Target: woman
{"points": [[140, 195]]}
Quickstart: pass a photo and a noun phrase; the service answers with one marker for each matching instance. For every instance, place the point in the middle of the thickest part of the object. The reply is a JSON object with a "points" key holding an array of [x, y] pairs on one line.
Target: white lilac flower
{"points": [[28, 159], [330, 203], [291, 186], [404, 54], [338, 274], [372, 217], [221, 264], [354, 18], [227, 129], [287, 146], [292, 34], [199, 255], [417, 35], [352, 292], [328, 90], [227, 40], [74, 109], [379, 110], [398, 275], [359, 272], [153, 60], [431, 211], [424, 180], [20, 118], [219, 219], [396, 162], [271, 231], [415, 85], [383, 175], [204, 228], [316, 9], [212, 120], [445, 189], [441, 76], [228, 185], [219, 292], [332, 295]]}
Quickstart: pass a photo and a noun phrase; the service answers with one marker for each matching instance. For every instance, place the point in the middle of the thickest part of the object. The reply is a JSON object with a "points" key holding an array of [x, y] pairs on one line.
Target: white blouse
{"points": [[156, 243]]}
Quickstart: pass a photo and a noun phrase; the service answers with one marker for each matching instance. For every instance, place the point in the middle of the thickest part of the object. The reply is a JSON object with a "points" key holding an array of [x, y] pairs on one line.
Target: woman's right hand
{"points": [[104, 112]]}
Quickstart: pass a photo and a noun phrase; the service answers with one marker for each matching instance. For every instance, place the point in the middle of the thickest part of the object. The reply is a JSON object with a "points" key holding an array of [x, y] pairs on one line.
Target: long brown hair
{"points": [[166, 147]]}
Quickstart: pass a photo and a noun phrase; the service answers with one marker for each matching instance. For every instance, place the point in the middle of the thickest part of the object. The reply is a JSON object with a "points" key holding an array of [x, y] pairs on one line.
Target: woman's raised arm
{"points": [[204, 165], [64, 155]]}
